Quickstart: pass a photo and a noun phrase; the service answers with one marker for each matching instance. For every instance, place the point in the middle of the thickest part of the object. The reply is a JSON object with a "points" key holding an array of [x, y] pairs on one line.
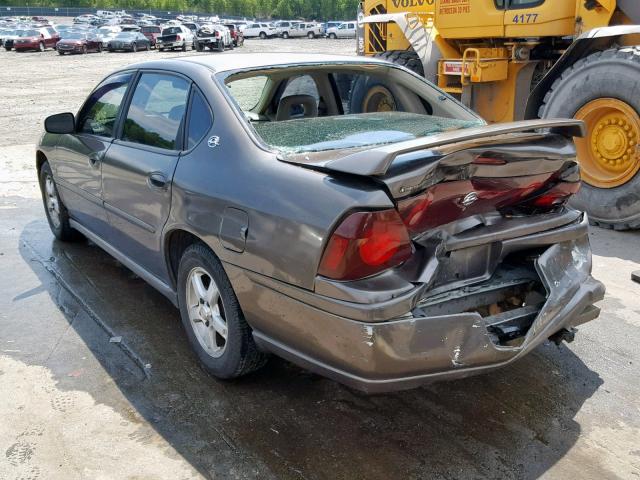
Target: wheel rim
{"points": [[379, 99], [206, 312], [51, 199], [609, 155], [41, 46]]}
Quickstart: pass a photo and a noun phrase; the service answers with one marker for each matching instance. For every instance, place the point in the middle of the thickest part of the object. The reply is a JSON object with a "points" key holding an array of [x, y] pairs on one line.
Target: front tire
{"points": [[134, 48], [212, 318], [56, 212], [263, 35], [601, 89], [311, 35], [333, 36], [41, 47]]}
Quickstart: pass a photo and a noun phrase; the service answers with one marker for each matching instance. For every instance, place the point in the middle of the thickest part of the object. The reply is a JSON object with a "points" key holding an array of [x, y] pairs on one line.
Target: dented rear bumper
{"points": [[404, 352]]}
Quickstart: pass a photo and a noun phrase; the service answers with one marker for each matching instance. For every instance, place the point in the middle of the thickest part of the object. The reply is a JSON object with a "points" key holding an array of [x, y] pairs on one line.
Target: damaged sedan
{"points": [[342, 213]]}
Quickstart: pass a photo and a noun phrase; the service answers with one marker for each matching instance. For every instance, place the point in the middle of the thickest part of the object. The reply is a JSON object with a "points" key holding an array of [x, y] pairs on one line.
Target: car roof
{"points": [[253, 61]]}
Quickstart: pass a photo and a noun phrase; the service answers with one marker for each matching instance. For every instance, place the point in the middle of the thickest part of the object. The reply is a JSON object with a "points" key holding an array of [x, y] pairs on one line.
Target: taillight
{"points": [[556, 196], [364, 244], [178, 38]]}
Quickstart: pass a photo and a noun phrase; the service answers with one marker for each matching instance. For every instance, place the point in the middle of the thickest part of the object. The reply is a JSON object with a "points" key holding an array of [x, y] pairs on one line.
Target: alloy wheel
{"points": [[206, 312], [52, 201]]}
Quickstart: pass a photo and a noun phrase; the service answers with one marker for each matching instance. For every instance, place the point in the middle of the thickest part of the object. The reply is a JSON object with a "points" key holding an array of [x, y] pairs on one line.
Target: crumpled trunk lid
{"points": [[465, 172]]}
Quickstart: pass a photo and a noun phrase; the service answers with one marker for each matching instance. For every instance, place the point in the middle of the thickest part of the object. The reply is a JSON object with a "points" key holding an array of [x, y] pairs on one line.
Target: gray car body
{"points": [[268, 218]]}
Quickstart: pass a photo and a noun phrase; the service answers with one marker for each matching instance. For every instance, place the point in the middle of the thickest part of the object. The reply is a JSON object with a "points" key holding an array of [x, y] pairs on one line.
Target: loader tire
{"points": [[369, 95], [406, 58], [602, 90]]}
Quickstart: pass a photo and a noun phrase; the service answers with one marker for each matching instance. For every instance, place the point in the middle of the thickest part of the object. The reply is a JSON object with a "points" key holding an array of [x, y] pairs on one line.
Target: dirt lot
{"points": [[97, 382]]}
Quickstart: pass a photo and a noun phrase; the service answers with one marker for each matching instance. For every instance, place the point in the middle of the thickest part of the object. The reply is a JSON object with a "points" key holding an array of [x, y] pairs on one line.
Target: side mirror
{"points": [[61, 123]]}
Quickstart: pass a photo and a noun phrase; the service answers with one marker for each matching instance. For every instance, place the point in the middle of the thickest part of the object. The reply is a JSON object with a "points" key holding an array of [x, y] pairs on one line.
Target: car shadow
{"points": [[516, 422]]}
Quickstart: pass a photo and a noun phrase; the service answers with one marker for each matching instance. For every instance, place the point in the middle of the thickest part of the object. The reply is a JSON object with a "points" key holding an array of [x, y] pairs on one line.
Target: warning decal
{"points": [[452, 7]]}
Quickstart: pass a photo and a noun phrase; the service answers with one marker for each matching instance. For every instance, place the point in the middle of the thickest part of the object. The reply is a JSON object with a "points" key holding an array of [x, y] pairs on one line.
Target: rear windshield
{"points": [[171, 31], [151, 29], [318, 108]]}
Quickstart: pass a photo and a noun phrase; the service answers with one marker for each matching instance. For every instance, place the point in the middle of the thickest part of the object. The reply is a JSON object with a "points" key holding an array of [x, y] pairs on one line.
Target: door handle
{"points": [[94, 160], [157, 181]]}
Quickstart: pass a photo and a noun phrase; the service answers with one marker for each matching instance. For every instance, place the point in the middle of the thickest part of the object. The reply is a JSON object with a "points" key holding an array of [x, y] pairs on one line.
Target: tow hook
{"points": [[564, 334]]}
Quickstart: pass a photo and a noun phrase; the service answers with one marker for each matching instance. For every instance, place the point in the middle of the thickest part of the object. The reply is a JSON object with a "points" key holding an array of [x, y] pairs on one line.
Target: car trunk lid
{"points": [[452, 175]]}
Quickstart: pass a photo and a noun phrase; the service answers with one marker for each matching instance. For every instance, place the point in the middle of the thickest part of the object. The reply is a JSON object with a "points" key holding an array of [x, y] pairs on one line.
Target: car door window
{"points": [[156, 111], [200, 119], [99, 114]]}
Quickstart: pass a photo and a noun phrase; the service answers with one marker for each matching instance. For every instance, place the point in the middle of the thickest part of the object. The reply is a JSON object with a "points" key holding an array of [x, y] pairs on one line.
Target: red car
{"points": [[39, 39], [79, 42], [152, 32], [236, 35]]}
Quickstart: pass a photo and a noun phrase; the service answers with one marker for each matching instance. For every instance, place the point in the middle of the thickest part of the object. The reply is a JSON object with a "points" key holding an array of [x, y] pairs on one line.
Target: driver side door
{"points": [[78, 165]]}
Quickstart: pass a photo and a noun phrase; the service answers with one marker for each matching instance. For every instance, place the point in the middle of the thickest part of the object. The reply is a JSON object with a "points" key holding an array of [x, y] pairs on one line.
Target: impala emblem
{"points": [[469, 199], [213, 141]]}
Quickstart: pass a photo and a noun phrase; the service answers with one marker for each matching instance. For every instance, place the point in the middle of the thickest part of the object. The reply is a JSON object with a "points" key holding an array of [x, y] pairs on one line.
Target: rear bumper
{"points": [[410, 350]]}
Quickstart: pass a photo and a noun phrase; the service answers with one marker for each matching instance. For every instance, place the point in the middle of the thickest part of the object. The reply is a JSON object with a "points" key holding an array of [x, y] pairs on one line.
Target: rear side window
{"points": [[200, 119], [100, 112], [156, 111]]}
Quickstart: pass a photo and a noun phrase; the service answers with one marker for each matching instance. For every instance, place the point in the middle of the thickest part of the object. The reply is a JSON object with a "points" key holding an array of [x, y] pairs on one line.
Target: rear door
{"points": [[138, 169]]}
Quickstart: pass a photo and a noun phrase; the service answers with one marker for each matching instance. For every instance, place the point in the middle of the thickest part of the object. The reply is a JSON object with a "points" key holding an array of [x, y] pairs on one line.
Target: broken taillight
{"points": [[449, 201], [364, 244]]}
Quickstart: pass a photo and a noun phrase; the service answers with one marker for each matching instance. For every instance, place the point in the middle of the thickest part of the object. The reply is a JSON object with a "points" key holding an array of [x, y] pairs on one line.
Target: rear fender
{"points": [[596, 40]]}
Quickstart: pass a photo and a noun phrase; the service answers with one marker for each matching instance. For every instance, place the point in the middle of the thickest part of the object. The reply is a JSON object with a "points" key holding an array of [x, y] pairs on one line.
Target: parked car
{"points": [[9, 37], [85, 18], [105, 14], [304, 29], [213, 37], [236, 34], [79, 42], [284, 28], [175, 37], [129, 41], [393, 246], [152, 33], [107, 33], [194, 27], [344, 30], [39, 39], [262, 30]]}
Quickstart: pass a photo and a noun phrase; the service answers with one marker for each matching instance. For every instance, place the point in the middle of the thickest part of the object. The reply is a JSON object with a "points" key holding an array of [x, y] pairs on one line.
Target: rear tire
{"points": [[41, 47], [84, 49], [56, 212], [134, 48], [613, 74], [208, 305], [311, 35]]}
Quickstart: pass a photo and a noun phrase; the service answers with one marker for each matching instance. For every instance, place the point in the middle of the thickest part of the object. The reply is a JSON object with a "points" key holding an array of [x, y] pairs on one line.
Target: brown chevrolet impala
{"points": [[340, 212]]}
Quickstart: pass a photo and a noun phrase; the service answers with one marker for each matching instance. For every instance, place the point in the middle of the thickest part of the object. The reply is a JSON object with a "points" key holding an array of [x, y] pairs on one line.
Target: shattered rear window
{"points": [[350, 131], [317, 107]]}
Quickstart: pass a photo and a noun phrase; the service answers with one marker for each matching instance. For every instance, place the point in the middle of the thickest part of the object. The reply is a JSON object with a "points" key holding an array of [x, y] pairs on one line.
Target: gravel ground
{"points": [[35, 85], [97, 380]]}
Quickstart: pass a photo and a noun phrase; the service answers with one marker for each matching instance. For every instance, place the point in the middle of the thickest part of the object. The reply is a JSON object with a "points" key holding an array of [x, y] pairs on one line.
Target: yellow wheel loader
{"points": [[522, 59]]}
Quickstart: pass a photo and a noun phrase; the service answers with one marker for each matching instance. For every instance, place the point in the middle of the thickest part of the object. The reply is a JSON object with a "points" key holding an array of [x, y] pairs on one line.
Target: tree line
{"points": [[304, 9]]}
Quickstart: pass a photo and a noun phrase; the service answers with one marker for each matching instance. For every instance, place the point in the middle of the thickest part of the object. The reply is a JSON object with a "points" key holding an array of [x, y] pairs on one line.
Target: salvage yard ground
{"points": [[97, 380]]}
